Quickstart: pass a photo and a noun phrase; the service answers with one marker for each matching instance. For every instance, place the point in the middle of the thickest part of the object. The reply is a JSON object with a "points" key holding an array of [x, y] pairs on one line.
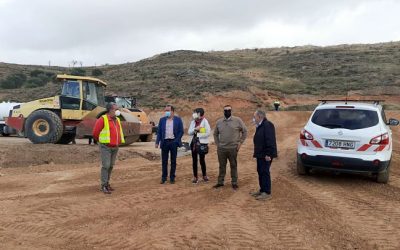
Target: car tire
{"points": [[301, 169], [383, 177]]}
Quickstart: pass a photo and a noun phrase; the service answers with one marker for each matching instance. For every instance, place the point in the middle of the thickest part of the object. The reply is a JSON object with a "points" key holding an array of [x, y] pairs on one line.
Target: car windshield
{"points": [[345, 118]]}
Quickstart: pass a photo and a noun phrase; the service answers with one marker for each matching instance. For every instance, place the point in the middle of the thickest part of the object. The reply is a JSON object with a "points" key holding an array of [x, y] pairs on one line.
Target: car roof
{"points": [[344, 104]]}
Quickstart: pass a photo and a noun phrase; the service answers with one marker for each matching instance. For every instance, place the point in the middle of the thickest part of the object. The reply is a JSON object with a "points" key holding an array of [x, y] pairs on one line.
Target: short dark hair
{"points": [[109, 106], [200, 111], [172, 107]]}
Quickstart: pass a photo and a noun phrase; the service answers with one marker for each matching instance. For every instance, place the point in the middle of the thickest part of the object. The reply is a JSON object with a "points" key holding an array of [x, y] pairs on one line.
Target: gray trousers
{"points": [[108, 157], [225, 154]]}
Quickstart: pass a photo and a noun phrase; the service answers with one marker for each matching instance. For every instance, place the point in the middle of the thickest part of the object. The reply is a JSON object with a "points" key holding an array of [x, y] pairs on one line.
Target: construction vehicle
{"points": [[5, 108], [128, 104], [62, 118]]}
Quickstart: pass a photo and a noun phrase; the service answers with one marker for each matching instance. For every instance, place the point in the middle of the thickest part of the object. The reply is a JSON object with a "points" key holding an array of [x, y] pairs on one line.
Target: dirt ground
{"points": [[50, 199]]}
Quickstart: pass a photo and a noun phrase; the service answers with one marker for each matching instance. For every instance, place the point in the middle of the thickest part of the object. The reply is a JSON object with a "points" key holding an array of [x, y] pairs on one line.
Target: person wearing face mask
{"points": [[200, 130], [229, 134], [169, 138], [265, 151], [108, 132]]}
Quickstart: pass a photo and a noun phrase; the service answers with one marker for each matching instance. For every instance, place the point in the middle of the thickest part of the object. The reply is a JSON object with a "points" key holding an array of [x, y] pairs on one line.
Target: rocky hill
{"points": [[190, 76]]}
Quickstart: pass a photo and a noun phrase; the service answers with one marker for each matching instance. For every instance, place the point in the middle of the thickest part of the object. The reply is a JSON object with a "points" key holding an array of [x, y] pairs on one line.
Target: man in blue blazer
{"points": [[169, 138]]}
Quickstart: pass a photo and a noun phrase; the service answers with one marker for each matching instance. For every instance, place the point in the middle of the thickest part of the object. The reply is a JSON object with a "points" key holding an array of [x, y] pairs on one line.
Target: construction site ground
{"points": [[50, 199]]}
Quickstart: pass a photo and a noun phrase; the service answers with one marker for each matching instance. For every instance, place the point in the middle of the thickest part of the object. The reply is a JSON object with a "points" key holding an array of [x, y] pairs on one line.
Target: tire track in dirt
{"points": [[362, 218]]}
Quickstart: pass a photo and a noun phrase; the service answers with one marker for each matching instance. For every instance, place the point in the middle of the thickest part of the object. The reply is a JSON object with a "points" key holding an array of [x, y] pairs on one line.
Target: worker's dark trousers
{"points": [[108, 157], [168, 146], [202, 157], [225, 154], [264, 176]]}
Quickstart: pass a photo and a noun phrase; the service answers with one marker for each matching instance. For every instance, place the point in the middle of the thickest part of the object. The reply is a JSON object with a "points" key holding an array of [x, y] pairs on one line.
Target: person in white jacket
{"points": [[200, 130]]}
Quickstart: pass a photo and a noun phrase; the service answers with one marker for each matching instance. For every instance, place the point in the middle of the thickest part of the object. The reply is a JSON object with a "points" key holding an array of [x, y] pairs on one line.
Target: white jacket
{"points": [[202, 136]]}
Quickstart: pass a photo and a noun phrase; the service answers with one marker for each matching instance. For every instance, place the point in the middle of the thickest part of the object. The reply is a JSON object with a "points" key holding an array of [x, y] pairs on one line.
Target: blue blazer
{"points": [[178, 131]]}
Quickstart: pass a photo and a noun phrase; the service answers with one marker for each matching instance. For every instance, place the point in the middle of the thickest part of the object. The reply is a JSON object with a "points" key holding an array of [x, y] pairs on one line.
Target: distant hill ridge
{"points": [[371, 69]]}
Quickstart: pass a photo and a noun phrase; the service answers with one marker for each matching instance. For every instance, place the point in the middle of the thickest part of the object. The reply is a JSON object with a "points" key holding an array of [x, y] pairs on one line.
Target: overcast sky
{"points": [[120, 31]]}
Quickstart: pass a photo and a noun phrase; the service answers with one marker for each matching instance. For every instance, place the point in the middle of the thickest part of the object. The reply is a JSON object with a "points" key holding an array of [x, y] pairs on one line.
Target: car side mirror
{"points": [[393, 122]]}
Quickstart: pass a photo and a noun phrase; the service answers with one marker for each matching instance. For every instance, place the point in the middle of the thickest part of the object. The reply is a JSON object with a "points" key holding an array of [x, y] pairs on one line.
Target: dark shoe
{"points": [[195, 180], [162, 182], [205, 179], [105, 190], [235, 186], [110, 188], [172, 181], [218, 185]]}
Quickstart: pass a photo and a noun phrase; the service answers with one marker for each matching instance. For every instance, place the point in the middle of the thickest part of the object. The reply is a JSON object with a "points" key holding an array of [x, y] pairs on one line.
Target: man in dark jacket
{"points": [[169, 135], [264, 151]]}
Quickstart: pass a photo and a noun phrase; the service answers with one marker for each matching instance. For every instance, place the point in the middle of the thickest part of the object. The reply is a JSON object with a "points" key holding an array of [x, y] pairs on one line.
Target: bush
{"points": [[78, 72], [13, 81], [41, 80], [36, 72], [97, 72]]}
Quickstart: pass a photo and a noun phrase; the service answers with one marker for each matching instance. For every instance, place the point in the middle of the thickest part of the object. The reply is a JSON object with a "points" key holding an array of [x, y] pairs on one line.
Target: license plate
{"points": [[340, 144]]}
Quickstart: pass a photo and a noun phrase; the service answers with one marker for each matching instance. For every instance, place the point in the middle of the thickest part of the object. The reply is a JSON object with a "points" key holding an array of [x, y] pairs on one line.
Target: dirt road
{"points": [[50, 199]]}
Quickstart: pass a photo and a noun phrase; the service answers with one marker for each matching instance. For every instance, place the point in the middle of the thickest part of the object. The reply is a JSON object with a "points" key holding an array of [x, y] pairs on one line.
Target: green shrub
{"points": [[13, 81], [36, 72], [97, 72], [78, 72]]}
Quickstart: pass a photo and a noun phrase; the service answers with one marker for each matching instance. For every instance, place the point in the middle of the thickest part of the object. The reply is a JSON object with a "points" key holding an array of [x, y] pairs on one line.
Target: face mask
{"points": [[167, 113], [227, 113], [254, 120], [117, 113], [195, 116]]}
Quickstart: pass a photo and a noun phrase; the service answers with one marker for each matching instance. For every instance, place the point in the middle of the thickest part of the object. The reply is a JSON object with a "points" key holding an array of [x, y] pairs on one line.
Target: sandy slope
{"points": [[57, 205]]}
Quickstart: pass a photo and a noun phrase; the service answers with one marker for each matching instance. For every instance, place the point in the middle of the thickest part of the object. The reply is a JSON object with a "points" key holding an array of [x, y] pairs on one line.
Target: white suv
{"points": [[347, 136]]}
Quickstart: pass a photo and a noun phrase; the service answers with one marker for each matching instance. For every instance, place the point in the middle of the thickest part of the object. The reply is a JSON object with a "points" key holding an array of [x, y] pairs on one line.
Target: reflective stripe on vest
{"points": [[105, 136]]}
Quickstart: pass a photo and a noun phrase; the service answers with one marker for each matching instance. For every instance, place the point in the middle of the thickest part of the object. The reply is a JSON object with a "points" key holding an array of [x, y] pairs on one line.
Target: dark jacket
{"points": [[178, 131], [265, 141]]}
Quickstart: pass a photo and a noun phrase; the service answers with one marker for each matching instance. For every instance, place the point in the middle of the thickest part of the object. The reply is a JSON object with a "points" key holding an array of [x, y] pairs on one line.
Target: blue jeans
{"points": [[264, 177], [168, 146]]}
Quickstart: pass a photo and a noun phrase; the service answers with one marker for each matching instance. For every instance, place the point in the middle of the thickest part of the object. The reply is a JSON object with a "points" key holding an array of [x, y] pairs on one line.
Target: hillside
{"points": [[260, 75]]}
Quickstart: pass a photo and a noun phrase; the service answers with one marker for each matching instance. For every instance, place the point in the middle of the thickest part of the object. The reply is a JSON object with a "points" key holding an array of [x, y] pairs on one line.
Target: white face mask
{"points": [[195, 116], [117, 113], [254, 120]]}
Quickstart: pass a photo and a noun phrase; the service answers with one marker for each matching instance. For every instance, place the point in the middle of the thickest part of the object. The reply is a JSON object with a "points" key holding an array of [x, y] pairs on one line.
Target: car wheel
{"points": [[301, 169], [383, 177]]}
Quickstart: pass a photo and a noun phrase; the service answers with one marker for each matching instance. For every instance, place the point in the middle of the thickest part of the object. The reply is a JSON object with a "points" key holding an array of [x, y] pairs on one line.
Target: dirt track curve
{"points": [[55, 203]]}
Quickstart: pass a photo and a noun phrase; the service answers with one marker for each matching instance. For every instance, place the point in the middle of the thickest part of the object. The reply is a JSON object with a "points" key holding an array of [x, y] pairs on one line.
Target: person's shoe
{"points": [[195, 180], [205, 178], [218, 185], [162, 182], [172, 181], [255, 194], [105, 190], [263, 196], [110, 188], [235, 186]]}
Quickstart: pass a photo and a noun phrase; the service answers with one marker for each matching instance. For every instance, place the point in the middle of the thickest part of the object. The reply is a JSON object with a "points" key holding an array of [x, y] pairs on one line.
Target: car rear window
{"points": [[345, 118]]}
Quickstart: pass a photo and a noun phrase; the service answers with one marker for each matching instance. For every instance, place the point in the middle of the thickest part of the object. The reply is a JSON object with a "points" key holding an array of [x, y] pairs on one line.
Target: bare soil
{"points": [[50, 199]]}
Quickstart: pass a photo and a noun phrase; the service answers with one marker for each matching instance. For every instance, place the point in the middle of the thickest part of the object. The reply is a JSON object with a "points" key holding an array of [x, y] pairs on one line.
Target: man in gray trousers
{"points": [[229, 135], [108, 132]]}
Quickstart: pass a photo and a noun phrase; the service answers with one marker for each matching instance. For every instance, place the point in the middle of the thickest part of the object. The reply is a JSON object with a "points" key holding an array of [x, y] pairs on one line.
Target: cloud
{"points": [[103, 31]]}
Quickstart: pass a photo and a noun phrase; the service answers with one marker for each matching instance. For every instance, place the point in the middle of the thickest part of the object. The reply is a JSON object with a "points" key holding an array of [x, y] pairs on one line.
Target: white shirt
{"points": [[169, 130]]}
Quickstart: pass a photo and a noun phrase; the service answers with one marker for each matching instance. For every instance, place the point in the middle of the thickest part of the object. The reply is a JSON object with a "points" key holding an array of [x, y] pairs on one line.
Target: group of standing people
{"points": [[229, 134]]}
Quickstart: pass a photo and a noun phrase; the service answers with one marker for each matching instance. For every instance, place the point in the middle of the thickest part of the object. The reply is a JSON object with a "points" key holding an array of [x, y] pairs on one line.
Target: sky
{"points": [[98, 32]]}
